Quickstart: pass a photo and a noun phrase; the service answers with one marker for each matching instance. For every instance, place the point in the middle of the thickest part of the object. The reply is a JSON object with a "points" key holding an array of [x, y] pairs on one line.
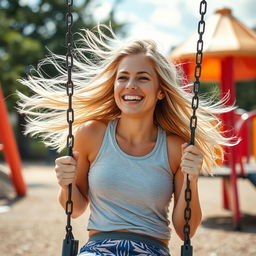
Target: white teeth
{"points": [[132, 97]]}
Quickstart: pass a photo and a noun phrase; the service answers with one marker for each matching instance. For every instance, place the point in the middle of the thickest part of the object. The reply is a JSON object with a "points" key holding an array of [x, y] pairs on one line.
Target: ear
{"points": [[160, 95]]}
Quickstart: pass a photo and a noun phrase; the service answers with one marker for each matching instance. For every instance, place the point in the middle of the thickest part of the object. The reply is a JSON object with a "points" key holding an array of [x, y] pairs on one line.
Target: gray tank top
{"points": [[130, 192]]}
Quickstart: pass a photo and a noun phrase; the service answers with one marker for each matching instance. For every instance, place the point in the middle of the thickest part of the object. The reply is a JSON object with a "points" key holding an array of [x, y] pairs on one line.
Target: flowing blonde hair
{"points": [[94, 95]]}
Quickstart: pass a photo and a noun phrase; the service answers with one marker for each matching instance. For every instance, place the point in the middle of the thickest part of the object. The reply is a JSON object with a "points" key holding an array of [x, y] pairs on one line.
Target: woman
{"points": [[131, 153]]}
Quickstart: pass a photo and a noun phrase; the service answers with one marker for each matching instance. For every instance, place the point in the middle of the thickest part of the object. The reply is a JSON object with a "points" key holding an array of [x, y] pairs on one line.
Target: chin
{"points": [[136, 114]]}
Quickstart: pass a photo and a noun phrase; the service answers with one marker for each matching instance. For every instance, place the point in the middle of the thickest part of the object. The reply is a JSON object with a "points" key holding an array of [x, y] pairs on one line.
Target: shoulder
{"points": [[92, 128], [174, 143], [89, 136]]}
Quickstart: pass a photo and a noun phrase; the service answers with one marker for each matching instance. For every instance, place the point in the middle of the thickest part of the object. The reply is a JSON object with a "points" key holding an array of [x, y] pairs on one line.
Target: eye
{"points": [[122, 78], [144, 78]]}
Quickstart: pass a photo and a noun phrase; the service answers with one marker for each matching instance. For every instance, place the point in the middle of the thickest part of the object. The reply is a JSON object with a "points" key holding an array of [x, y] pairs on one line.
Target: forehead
{"points": [[136, 63]]}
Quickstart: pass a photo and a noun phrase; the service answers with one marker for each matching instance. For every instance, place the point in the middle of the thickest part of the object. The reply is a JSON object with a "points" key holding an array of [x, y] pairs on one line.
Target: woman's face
{"points": [[136, 87]]}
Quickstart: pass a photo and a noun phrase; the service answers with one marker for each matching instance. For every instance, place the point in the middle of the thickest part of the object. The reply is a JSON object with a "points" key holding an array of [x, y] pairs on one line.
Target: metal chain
{"points": [[70, 111], [187, 248], [70, 245]]}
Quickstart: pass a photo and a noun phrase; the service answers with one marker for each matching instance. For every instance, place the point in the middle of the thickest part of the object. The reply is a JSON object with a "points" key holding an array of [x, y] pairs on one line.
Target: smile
{"points": [[132, 98]]}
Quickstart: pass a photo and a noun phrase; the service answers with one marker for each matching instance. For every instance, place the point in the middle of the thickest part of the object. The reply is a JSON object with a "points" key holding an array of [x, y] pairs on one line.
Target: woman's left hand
{"points": [[191, 161]]}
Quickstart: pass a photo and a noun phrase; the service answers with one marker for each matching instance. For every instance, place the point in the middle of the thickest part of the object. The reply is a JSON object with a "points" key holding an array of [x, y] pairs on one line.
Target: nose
{"points": [[131, 84]]}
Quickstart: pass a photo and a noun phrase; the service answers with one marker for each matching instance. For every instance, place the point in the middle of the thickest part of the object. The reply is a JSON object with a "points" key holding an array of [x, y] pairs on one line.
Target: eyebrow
{"points": [[140, 72]]}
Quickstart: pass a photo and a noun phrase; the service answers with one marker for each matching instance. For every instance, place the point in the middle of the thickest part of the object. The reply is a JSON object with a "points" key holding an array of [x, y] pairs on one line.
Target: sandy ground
{"points": [[35, 224]]}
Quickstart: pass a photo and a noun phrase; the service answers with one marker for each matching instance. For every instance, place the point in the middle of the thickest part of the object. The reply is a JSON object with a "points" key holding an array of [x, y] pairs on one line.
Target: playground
{"points": [[34, 225], [33, 222]]}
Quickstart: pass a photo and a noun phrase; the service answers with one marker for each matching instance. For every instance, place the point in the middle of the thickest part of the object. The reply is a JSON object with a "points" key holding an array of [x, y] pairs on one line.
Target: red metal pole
{"points": [[10, 150], [186, 79], [227, 85]]}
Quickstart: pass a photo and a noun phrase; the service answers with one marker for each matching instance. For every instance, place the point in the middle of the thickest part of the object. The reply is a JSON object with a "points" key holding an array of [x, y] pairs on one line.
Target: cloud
{"points": [[166, 17], [101, 11], [146, 30], [243, 10], [170, 22], [126, 17]]}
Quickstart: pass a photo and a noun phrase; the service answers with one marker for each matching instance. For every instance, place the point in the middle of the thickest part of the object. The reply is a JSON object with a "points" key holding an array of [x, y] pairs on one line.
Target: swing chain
{"points": [[70, 111], [69, 246], [198, 70], [69, 85], [187, 249]]}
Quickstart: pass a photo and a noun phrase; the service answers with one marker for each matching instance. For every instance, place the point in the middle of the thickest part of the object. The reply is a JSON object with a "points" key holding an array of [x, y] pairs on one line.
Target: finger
{"points": [[183, 146], [65, 182], [65, 160], [191, 164], [188, 163], [192, 149], [65, 168], [192, 157], [76, 155], [189, 170], [66, 175]]}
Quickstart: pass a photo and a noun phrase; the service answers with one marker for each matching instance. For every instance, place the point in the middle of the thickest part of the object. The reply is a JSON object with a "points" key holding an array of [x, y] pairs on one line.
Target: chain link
{"points": [[70, 111], [193, 121]]}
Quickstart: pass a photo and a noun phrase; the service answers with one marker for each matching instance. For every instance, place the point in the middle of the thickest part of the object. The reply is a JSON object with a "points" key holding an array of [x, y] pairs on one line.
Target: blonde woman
{"points": [[131, 153]]}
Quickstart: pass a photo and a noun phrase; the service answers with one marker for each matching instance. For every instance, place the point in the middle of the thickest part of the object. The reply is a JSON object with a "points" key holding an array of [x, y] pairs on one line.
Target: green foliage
{"points": [[246, 95], [209, 90], [27, 30]]}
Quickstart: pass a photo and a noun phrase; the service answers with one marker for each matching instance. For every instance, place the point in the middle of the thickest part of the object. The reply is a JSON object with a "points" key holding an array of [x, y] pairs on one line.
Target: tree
{"points": [[26, 31]]}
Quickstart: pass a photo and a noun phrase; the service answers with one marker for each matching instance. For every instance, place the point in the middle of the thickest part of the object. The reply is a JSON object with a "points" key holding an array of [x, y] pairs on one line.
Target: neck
{"points": [[136, 130]]}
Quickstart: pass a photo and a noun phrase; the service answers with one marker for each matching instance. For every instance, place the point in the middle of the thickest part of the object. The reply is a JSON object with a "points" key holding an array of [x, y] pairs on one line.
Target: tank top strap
{"points": [[162, 152]]}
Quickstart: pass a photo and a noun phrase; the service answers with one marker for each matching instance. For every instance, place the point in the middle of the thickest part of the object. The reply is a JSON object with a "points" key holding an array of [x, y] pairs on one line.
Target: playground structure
{"points": [[229, 56], [10, 151], [227, 64], [246, 150], [242, 164]]}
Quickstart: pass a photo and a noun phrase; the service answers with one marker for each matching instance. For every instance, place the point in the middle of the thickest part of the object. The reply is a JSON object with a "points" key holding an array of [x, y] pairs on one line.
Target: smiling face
{"points": [[136, 87]]}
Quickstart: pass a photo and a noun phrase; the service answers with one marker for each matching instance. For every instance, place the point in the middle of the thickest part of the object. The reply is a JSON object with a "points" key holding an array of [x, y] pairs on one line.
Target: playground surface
{"points": [[35, 224]]}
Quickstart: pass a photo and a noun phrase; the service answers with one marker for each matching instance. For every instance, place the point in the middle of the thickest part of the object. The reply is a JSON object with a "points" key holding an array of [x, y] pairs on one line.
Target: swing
{"points": [[70, 245]]}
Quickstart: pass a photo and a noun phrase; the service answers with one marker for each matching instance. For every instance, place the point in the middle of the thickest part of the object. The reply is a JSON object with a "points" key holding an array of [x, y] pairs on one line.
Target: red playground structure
{"points": [[10, 151], [229, 56]]}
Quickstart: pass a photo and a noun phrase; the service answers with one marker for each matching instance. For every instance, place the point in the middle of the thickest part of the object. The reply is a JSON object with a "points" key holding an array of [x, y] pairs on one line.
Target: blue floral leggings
{"points": [[115, 247]]}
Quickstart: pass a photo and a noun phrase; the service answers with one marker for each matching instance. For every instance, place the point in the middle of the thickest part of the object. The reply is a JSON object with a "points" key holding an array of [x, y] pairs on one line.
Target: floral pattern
{"points": [[113, 247]]}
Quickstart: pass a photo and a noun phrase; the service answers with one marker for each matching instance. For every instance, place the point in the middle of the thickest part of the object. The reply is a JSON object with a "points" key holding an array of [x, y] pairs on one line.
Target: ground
{"points": [[35, 224]]}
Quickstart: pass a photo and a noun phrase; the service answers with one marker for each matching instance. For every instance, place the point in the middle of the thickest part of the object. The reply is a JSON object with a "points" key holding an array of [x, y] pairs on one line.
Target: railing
{"points": [[245, 128]]}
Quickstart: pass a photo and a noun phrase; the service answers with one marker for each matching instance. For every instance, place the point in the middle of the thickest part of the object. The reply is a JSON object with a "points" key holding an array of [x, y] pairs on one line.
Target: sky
{"points": [[170, 22]]}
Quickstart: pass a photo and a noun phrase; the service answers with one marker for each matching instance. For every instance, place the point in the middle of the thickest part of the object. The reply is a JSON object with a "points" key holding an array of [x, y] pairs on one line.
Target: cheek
{"points": [[117, 89], [150, 89]]}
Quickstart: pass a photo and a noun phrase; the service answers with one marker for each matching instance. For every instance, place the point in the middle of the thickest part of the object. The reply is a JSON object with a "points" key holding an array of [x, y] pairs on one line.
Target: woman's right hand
{"points": [[66, 169]]}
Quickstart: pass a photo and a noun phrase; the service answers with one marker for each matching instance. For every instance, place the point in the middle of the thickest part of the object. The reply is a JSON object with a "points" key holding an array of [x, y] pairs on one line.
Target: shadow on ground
{"points": [[248, 224]]}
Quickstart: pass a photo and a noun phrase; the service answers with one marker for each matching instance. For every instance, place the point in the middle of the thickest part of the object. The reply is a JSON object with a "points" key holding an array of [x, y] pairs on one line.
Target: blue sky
{"points": [[170, 22]]}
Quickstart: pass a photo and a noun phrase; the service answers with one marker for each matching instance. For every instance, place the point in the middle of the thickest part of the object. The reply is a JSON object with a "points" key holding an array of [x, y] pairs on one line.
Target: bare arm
{"points": [[75, 170], [180, 204], [185, 160], [79, 201]]}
